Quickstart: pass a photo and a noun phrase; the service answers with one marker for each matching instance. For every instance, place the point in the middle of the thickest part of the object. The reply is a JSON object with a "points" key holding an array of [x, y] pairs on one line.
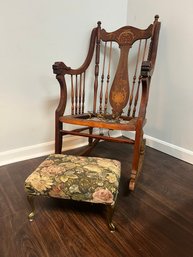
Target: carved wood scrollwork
{"points": [[119, 93], [125, 37]]}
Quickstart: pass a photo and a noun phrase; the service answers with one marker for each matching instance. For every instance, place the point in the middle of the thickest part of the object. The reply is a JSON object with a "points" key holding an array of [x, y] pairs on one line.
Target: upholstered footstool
{"points": [[87, 179]]}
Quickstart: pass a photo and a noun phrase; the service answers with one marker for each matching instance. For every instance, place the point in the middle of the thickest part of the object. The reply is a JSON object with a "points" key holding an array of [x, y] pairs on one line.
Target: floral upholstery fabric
{"points": [[89, 179]]}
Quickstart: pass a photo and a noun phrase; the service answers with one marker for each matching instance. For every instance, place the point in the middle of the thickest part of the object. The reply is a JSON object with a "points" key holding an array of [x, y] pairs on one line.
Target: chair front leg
{"points": [[61, 106], [90, 140], [138, 155], [58, 137], [142, 153]]}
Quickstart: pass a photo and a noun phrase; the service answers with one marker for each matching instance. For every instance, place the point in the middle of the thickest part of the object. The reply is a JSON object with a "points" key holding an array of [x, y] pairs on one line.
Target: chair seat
{"points": [[89, 179], [124, 123]]}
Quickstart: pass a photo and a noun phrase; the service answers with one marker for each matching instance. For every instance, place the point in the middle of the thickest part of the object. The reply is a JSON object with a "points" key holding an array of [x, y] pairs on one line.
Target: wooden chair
{"points": [[114, 94]]}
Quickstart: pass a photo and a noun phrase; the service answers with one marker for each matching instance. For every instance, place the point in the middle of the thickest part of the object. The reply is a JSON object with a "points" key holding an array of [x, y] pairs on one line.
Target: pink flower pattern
{"points": [[59, 176]]}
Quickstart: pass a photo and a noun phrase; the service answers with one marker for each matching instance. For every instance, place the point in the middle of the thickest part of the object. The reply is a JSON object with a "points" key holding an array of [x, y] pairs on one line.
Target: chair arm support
{"points": [[145, 95], [63, 95]]}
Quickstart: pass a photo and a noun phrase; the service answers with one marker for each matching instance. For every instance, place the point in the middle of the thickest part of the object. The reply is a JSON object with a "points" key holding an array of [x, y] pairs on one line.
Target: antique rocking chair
{"points": [[118, 101]]}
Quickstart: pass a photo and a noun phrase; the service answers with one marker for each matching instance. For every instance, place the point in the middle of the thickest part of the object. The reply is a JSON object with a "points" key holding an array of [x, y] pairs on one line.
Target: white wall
{"points": [[170, 107], [35, 34]]}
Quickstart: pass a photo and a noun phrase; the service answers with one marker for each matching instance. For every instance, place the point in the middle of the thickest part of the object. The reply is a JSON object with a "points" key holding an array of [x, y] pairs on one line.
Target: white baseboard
{"points": [[173, 150], [70, 142], [29, 152]]}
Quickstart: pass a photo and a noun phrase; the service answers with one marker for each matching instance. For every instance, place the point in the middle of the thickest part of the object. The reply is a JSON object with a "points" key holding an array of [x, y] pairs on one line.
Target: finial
{"points": [[99, 23], [156, 17]]}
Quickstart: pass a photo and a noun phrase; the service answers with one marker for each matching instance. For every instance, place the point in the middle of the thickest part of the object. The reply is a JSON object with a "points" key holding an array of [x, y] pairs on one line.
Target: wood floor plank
{"points": [[156, 220]]}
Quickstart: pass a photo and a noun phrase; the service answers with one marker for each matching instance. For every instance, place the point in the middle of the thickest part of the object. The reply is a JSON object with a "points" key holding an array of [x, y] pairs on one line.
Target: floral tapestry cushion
{"points": [[90, 179]]}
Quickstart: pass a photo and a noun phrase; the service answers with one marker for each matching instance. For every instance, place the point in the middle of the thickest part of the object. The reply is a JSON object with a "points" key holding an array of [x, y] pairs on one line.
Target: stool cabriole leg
{"points": [[30, 199], [109, 214]]}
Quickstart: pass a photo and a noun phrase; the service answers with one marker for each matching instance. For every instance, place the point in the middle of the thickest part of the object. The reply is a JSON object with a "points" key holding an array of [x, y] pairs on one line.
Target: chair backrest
{"points": [[118, 92]]}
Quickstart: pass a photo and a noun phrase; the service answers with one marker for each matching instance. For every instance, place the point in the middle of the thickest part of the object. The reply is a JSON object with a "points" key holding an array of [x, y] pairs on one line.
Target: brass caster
{"points": [[112, 227], [30, 199], [31, 216], [109, 214]]}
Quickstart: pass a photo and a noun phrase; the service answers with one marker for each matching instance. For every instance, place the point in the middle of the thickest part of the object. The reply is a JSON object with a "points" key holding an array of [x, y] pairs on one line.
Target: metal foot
{"points": [[30, 199], [109, 213]]}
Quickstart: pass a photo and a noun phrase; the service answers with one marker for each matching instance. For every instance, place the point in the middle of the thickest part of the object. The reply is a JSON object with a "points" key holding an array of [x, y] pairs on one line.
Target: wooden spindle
{"points": [[102, 78], [83, 91], [134, 79], [136, 97], [72, 95], [76, 95], [108, 78], [80, 93], [144, 51], [97, 58]]}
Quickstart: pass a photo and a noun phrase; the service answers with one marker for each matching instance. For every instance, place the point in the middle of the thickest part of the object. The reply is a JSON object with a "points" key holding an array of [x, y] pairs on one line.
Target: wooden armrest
{"points": [[60, 68]]}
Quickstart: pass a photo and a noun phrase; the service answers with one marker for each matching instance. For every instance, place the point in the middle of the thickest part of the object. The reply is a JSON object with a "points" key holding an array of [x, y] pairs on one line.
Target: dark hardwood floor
{"points": [[155, 220]]}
